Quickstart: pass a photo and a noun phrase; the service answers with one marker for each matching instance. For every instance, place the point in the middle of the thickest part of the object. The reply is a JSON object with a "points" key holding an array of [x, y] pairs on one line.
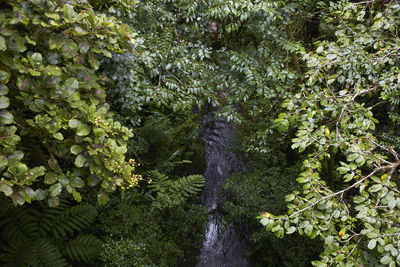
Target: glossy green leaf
{"points": [[73, 123], [55, 189], [83, 129], [77, 196], [80, 161], [58, 136], [6, 189], [6, 117], [4, 102], [75, 149], [372, 244], [375, 188], [3, 45]]}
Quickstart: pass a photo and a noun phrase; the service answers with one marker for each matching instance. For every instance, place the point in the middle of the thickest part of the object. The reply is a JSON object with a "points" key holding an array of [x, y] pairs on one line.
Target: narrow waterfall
{"points": [[223, 244]]}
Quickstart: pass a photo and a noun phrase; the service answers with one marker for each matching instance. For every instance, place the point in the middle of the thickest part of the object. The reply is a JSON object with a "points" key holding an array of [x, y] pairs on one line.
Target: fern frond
{"points": [[33, 235], [159, 181], [73, 219], [20, 225], [38, 252], [49, 255], [171, 193], [186, 186], [65, 219], [83, 248]]}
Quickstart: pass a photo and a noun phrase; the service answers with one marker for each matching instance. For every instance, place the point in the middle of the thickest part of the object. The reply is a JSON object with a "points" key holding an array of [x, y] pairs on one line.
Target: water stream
{"points": [[223, 244]]}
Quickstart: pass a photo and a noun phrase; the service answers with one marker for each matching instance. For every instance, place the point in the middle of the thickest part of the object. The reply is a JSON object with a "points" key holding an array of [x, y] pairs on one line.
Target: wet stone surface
{"points": [[223, 244]]}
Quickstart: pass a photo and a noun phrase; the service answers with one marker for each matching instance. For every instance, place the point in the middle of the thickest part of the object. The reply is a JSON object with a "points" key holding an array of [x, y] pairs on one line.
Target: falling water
{"points": [[223, 244]]}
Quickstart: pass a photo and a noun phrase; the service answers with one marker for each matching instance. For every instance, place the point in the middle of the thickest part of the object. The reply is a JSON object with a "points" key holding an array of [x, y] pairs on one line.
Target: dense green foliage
{"points": [[349, 194], [154, 228], [312, 86], [39, 235], [56, 131]]}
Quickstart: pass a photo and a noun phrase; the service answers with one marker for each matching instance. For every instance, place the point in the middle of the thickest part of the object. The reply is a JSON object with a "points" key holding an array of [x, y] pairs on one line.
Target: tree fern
{"points": [[39, 235]]}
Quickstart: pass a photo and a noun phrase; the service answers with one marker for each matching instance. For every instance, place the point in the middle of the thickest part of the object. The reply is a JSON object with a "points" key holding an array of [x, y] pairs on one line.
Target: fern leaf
{"points": [[186, 186], [159, 181], [83, 248], [70, 219], [20, 226], [49, 255], [33, 253], [173, 193]]}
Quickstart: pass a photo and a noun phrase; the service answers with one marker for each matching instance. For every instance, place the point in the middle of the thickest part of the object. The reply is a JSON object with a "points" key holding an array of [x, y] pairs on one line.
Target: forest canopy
{"points": [[101, 107]]}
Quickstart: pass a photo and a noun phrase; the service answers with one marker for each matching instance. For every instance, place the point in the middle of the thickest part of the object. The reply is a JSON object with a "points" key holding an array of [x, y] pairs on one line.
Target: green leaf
{"points": [[53, 70], [83, 129], [3, 45], [343, 170], [291, 230], [121, 150], [15, 158], [308, 230], [40, 194], [289, 197], [79, 31], [69, 12], [4, 76], [80, 161], [6, 189], [77, 182], [58, 136], [75, 149], [4, 102], [102, 198], [98, 132], [70, 85], [264, 221], [50, 178], [358, 199], [54, 16], [352, 157], [329, 240], [375, 188], [3, 161], [372, 244], [55, 189], [107, 53], [77, 196], [36, 58], [53, 201], [318, 264], [6, 117], [386, 259], [340, 257], [331, 56], [73, 123], [92, 180], [34, 72], [3, 89]]}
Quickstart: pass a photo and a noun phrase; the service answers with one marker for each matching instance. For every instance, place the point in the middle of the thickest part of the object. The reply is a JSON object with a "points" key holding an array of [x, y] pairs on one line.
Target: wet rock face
{"points": [[223, 244]]}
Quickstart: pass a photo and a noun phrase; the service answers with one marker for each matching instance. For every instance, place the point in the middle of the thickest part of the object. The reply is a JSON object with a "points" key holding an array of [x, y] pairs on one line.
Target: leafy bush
{"points": [[349, 179], [56, 131], [149, 231], [264, 188]]}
